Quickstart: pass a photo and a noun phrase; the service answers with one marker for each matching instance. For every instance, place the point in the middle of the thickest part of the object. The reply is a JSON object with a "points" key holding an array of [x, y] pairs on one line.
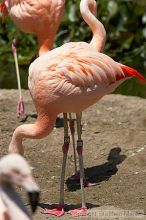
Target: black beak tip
{"points": [[34, 200]]}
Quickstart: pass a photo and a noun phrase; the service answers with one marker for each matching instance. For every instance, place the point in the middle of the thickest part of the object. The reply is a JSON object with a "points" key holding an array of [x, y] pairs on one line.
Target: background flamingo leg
{"points": [[20, 106]]}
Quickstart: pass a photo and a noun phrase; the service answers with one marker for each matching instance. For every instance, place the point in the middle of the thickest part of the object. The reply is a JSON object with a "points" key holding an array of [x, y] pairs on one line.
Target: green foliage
{"points": [[3, 109], [125, 23]]}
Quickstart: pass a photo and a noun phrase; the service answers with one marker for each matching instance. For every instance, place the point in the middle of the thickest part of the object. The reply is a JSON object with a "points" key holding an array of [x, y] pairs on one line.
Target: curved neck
{"points": [[42, 127], [88, 11]]}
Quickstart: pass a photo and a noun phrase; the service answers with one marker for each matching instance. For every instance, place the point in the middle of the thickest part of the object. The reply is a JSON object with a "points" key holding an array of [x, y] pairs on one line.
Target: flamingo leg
{"points": [[20, 106], [65, 151], [83, 210], [76, 177], [59, 209], [72, 130]]}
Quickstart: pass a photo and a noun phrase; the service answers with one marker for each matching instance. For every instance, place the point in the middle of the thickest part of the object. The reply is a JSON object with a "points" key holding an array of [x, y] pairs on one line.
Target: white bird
{"points": [[15, 171]]}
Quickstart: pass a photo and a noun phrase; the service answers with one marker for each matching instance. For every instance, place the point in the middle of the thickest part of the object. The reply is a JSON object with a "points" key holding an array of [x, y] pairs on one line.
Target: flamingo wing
{"points": [[82, 68], [75, 77]]}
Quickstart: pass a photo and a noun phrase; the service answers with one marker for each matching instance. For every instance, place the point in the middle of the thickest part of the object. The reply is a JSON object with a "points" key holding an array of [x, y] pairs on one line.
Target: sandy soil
{"points": [[114, 133]]}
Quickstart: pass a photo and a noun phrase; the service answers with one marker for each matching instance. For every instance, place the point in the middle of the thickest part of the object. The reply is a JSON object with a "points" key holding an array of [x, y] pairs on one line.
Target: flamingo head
{"points": [[93, 7], [15, 171]]}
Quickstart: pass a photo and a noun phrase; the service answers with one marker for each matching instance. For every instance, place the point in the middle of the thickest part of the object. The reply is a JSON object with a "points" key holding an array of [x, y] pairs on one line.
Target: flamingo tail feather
{"points": [[130, 72]]}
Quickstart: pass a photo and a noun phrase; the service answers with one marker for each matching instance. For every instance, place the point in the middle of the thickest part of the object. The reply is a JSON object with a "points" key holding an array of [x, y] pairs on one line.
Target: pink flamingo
{"points": [[34, 16], [11, 206], [70, 79]]}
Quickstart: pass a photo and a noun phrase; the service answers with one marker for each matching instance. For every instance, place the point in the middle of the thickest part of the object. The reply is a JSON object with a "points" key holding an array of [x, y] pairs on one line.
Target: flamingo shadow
{"points": [[100, 173]]}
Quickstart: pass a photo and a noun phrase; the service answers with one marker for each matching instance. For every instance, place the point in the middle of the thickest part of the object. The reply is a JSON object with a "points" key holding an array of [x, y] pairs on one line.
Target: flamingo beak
{"points": [[34, 200], [33, 192]]}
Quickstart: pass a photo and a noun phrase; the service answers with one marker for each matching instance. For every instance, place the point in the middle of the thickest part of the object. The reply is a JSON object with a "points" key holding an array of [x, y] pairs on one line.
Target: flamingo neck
{"points": [[88, 11], [42, 127], [16, 142], [45, 45]]}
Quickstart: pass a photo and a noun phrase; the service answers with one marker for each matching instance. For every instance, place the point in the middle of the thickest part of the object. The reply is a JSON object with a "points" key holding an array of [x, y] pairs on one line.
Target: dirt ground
{"points": [[114, 134]]}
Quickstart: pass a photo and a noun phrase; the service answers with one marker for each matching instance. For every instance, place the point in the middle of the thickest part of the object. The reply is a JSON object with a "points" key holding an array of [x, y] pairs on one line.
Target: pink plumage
{"points": [[34, 17], [75, 77]]}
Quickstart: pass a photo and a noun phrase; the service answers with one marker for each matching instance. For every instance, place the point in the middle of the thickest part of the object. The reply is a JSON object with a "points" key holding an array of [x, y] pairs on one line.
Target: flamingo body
{"points": [[24, 13], [73, 77], [33, 16]]}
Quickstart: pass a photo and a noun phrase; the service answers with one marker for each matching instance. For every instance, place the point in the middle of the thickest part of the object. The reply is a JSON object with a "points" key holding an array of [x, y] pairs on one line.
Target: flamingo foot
{"points": [[55, 210], [78, 212], [20, 107]]}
